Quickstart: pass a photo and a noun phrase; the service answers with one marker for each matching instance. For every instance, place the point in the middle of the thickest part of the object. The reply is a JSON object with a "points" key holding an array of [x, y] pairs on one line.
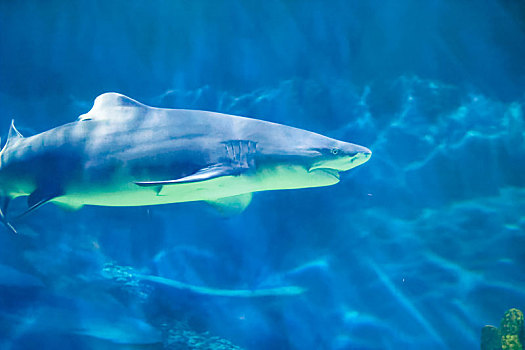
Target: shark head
{"points": [[300, 158], [338, 157]]}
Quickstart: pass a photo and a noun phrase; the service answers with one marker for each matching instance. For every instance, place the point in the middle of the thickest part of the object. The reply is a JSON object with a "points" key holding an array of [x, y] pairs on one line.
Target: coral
{"points": [[180, 337], [510, 335], [512, 331]]}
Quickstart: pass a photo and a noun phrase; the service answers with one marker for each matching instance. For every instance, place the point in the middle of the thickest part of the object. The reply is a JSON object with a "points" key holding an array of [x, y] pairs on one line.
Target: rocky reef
{"points": [[510, 335]]}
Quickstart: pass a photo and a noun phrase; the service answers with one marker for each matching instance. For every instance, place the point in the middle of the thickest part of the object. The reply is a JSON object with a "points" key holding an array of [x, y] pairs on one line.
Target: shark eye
{"points": [[334, 151]]}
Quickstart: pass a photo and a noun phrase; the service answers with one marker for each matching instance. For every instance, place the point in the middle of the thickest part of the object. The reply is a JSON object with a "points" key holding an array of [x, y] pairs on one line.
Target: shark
{"points": [[125, 153]]}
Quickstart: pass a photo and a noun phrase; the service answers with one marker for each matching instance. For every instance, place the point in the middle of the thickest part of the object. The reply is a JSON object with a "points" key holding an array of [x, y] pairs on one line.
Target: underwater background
{"points": [[416, 249]]}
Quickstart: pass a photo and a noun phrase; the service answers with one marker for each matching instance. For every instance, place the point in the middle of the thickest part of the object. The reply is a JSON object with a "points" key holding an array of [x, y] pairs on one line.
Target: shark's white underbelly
{"points": [[130, 194]]}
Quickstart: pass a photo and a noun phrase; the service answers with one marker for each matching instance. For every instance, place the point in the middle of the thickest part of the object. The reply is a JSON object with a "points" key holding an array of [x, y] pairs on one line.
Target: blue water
{"points": [[416, 249]]}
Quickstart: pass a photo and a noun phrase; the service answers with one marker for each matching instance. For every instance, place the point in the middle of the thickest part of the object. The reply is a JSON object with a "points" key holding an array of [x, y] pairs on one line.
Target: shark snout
{"points": [[366, 153], [356, 155], [362, 155]]}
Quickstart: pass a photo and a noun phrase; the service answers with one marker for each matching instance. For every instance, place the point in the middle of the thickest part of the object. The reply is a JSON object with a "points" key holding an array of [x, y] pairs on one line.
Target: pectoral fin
{"points": [[238, 159], [205, 174]]}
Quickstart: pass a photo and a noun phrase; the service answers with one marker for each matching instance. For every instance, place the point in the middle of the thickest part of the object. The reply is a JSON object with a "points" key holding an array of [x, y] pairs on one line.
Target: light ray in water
{"points": [[405, 302]]}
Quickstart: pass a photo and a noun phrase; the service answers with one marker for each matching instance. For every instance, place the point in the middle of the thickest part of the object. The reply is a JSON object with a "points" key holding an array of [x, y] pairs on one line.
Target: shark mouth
{"points": [[331, 172]]}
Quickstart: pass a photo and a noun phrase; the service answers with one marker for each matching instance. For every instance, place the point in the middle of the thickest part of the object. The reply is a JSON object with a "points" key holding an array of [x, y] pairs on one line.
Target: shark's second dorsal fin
{"points": [[108, 101], [13, 135], [13, 132]]}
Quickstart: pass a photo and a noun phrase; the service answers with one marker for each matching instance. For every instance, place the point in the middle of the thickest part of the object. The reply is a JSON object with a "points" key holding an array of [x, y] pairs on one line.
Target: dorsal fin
{"points": [[13, 134], [113, 99], [109, 101]]}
